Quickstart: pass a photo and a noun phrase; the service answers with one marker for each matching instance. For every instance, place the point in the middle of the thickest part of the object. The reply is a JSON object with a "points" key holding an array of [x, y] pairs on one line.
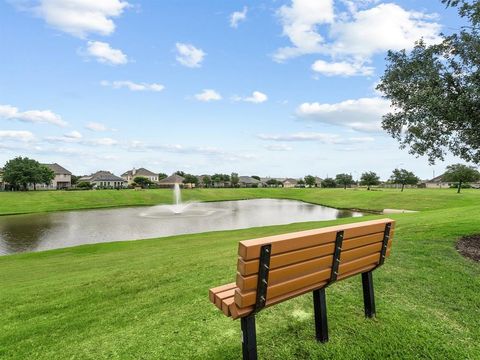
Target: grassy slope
{"points": [[415, 199], [148, 299]]}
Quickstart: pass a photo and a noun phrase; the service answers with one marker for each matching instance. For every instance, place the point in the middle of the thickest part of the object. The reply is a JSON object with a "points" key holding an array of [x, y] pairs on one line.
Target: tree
{"points": [[207, 181], [180, 173], [460, 174], [344, 179], [404, 177], [234, 179], [329, 183], [369, 179], [301, 183], [74, 179], [142, 181], [190, 179], [273, 182], [44, 175], [255, 177], [162, 176], [310, 180], [434, 91], [20, 172]]}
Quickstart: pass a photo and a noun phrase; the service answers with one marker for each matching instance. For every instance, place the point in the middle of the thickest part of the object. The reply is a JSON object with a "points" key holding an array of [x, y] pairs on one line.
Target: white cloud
{"points": [[188, 55], [81, 17], [381, 28], [341, 68], [257, 97], [105, 54], [364, 114], [237, 17], [351, 38], [300, 21], [133, 86], [74, 135], [31, 116], [95, 126], [103, 141], [18, 135], [324, 138], [208, 95], [278, 147]]}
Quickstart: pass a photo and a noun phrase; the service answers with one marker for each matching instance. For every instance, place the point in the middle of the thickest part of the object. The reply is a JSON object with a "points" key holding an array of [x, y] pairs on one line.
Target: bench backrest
{"points": [[303, 261]]}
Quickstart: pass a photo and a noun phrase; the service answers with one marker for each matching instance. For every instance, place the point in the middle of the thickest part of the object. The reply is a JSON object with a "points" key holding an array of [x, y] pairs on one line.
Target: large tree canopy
{"points": [[20, 172], [435, 92], [459, 173]]}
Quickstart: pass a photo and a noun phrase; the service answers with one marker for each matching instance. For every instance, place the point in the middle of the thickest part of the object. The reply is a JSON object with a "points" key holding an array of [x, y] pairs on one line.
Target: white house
{"points": [[104, 180], [132, 174], [62, 179]]}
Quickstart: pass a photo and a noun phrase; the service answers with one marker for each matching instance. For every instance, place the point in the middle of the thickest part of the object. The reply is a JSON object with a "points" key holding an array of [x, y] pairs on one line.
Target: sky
{"points": [[269, 88]]}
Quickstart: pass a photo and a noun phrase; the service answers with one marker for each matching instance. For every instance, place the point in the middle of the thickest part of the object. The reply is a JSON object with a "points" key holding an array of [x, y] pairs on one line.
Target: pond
{"points": [[37, 232]]}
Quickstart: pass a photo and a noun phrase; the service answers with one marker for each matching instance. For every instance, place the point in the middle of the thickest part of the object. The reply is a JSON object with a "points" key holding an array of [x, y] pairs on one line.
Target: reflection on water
{"points": [[36, 232]]}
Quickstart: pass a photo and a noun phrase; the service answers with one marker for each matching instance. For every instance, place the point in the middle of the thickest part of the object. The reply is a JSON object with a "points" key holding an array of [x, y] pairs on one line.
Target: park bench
{"points": [[273, 269]]}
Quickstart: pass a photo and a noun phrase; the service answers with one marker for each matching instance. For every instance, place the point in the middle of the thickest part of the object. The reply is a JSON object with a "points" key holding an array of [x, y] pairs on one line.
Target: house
{"points": [[62, 179], [290, 183], [318, 181], [249, 182], [435, 183], [2, 183], [132, 174], [104, 180], [171, 181]]}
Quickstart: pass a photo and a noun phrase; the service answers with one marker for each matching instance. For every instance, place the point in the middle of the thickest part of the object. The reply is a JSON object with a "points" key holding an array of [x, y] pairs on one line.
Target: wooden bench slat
{"points": [[237, 312], [213, 291], [244, 299], [250, 267], [284, 273], [223, 295], [250, 249]]}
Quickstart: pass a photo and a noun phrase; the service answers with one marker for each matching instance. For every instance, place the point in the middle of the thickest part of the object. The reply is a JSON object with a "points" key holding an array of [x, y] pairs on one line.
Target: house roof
{"points": [[57, 169], [248, 180], [139, 172], [436, 179], [291, 181], [102, 176], [172, 179]]}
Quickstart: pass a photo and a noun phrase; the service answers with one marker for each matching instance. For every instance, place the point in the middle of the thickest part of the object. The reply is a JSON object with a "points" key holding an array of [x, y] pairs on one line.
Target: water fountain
{"points": [[177, 207]]}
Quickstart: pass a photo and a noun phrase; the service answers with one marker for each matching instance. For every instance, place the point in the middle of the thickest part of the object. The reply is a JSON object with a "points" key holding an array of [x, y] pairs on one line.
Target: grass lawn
{"points": [[149, 299], [414, 199]]}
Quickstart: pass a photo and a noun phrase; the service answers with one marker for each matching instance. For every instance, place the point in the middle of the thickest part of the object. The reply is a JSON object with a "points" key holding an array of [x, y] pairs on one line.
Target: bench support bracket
{"points": [[368, 294], [249, 338], [320, 309]]}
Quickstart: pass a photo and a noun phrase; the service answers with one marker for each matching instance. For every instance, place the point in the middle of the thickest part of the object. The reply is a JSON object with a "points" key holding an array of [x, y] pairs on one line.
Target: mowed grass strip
{"points": [[378, 199], [149, 299]]}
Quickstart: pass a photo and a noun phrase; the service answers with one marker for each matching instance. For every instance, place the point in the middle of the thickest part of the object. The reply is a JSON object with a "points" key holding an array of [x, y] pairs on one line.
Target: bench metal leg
{"points": [[368, 294], [249, 338], [320, 309]]}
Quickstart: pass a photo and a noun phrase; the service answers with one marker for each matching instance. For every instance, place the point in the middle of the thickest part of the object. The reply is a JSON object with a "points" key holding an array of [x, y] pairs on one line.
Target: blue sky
{"points": [[273, 88]]}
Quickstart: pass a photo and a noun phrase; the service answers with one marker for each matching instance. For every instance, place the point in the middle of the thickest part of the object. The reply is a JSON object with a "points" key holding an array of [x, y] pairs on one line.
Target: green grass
{"points": [[149, 299], [414, 199]]}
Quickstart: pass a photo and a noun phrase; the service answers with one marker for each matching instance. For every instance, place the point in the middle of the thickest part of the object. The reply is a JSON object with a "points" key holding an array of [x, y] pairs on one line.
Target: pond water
{"points": [[36, 232]]}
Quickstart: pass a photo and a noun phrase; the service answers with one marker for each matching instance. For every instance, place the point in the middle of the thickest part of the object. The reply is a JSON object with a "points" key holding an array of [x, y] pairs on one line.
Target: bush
{"points": [[84, 185]]}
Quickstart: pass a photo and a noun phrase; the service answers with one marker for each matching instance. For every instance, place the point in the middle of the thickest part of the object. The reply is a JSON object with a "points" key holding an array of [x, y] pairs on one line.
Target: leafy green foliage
{"points": [[435, 92], [162, 176], [329, 183], [142, 181], [344, 179], [21, 171], [234, 179], [190, 179], [310, 180], [369, 179], [404, 177], [460, 174]]}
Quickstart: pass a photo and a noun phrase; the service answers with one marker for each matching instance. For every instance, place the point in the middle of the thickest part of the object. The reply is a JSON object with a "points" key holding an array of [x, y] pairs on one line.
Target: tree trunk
{"points": [[403, 185], [344, 186], [368, 187], [459, 187]]}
